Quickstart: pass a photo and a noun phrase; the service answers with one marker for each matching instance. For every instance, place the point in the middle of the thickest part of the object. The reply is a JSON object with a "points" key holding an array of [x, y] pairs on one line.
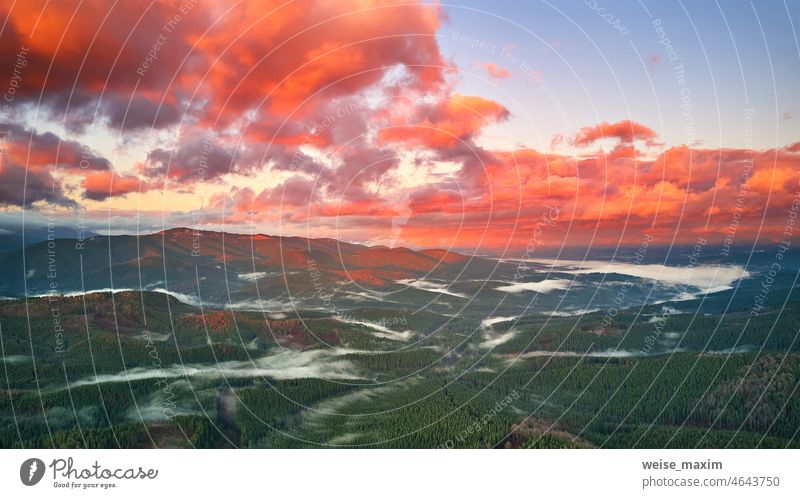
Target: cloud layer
{"points": [[341, 119]]}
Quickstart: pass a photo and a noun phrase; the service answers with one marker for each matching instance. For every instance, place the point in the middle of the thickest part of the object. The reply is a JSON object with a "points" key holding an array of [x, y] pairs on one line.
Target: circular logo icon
{"points": [[31, 471]]}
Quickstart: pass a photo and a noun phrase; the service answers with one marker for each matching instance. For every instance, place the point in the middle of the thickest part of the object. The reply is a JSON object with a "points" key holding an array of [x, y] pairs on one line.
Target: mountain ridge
{"points": [[185, 257]]}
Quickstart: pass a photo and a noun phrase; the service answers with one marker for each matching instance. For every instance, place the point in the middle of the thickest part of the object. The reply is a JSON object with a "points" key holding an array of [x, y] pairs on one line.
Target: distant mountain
{"points": [[218, 267], [11, 236], [264, 272]]}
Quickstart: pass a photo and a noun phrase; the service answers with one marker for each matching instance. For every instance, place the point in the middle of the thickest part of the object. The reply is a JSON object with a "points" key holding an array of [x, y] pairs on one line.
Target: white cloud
{"points": [[578, 312], [430, 287], [609, 353], [488, 322], [289, 364], [16, 358], [252, 277], [543, 287], [708, 278], [497, 340], [184, 298], [382, 331], [259, 305]]}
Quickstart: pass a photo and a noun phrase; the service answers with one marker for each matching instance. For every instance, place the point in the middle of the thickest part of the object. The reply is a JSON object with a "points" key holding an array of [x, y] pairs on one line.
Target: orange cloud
{"points": [[334, 93], [295, 72], [301, 57], [455, 119], [676, 196], [625, 131], [213, 64], [32, 164], [496, 71], [103, 184]]}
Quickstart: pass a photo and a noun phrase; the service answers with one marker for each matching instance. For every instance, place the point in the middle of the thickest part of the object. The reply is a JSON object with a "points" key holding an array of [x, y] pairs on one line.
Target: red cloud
{"points": [[101, 185], [436, 200], [47, 150], [75, 52], [300, 57], [283, 75], [453, 120], [212, 65], [625, 131], [31, 164], [676, 196], [294, 71], [496, 71]]}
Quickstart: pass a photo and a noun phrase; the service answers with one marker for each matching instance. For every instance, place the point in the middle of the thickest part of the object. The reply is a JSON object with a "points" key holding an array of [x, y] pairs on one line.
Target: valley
{"points": [[389, 348]]}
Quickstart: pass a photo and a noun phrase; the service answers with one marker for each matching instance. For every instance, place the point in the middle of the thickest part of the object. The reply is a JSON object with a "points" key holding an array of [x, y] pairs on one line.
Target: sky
{"points": [[494, 127]]}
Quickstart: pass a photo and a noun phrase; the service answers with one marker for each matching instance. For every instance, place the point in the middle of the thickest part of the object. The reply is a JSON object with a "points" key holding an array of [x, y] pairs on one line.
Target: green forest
{"points": [[141, 370]]}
